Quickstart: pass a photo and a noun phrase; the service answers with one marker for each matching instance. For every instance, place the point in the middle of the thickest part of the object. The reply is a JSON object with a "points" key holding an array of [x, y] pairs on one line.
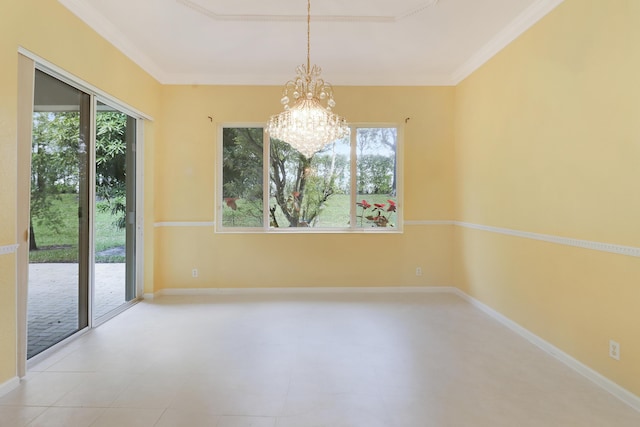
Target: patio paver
{"points": [[53, 300]]}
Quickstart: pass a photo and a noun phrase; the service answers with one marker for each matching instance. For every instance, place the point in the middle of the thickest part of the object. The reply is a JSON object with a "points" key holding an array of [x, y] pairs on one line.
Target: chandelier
{"points": [[307, 125]]}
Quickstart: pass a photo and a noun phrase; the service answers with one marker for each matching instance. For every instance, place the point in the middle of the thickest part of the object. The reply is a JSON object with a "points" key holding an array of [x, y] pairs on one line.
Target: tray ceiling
{"points": [[356, 42]]}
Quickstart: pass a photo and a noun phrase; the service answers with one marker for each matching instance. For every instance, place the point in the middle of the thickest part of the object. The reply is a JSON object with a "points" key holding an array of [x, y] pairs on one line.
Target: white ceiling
{"points": [[356, 42]]}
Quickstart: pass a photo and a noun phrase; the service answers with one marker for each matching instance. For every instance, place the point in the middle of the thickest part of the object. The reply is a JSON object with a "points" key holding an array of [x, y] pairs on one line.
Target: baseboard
{"points": [[148, 296], [621, 393], [8, 386], [300, 290]]}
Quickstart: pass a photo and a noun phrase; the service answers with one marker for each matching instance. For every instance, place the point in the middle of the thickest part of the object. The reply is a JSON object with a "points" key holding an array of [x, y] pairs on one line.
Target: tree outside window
{"points": [[311, 192], [242, 182]]}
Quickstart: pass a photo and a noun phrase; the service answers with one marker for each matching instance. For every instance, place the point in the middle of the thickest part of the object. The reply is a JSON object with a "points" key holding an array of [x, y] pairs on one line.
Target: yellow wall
{"points": [[179, 173], [48, 30], [547, 139], [543, 138], [186, 155]]}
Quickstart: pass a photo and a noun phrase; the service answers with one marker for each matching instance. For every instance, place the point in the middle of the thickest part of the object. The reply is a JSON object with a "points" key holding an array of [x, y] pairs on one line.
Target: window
{"points": [[242, 177], [351, 184]]}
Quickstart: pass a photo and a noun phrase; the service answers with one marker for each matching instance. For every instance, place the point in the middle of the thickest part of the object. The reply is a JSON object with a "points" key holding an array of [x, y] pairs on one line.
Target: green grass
{"points": [[61, 245], [335, 212], [247, 214]]}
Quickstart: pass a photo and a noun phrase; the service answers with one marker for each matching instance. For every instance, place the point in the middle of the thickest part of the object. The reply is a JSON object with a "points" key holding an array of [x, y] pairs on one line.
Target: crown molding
{"points": [[320, 18], [110, 33], [299, 290], [336, 79], [519, 25]]}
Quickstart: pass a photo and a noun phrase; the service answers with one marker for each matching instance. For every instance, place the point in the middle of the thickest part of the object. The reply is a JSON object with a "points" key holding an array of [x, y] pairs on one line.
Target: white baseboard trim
{"points": [[148, 296], [8, 386], [300, 290], [621, 393]]}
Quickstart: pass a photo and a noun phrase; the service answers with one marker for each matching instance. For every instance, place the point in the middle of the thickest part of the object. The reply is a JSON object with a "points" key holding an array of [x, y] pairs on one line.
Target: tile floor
{"points": [[307, 360]]}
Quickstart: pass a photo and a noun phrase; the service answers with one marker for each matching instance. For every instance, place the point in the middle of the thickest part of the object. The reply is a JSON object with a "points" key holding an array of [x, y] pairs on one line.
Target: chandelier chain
{"points": [[308, 34]]}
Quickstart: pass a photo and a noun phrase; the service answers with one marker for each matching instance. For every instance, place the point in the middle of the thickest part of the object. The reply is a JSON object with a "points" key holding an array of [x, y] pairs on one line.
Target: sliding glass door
{"points": [[58, 291], [82, 248], [115, 201]]}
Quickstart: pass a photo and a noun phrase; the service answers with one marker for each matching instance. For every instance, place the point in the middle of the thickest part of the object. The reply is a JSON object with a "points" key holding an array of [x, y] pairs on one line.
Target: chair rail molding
{"points": [[560, 240], [585, 244], [185, 224], [8, 249]]}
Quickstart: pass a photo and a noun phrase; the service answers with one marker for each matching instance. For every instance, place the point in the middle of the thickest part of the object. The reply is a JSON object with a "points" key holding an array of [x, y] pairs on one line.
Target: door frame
{"points": [[28, 62]]}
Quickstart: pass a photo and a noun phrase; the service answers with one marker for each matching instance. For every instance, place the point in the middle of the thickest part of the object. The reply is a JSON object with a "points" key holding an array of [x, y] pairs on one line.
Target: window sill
{"points": [[308, 230]]}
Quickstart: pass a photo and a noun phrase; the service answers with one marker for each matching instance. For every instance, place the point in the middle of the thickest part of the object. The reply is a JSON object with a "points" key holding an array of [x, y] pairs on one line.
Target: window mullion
{"points": [[266, 183], [219, 181], [354, 179]]}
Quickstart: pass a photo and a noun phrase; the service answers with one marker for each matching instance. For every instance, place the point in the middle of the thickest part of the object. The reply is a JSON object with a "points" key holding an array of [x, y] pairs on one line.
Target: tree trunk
{"points": [[32, 238]]}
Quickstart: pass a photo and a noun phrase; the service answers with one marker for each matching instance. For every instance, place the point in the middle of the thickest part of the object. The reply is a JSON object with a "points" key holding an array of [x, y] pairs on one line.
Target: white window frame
{"points": [[352, 228]]}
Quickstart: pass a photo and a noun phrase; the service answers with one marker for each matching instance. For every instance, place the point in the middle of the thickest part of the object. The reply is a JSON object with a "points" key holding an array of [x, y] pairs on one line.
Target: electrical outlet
{"points": [[418, 271], [614, 350], [194, 272]]}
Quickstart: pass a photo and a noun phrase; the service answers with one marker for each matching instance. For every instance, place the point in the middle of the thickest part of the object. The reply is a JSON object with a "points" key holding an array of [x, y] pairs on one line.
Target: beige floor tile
{"points": [[19, 416], [334, 409], [335, 360], [229, 402], [149, 391], [128, 417], [43, 389], [97, 390], [67, 417], [246, 422], [187, 418]]}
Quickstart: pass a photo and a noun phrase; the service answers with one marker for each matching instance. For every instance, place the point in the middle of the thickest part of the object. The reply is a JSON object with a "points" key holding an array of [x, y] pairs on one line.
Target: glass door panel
{"points": [[59, 222], [114, 237]]}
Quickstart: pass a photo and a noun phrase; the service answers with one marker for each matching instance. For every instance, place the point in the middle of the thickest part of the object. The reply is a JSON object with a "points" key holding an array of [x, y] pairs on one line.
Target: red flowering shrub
{"points": [[378, 216]]}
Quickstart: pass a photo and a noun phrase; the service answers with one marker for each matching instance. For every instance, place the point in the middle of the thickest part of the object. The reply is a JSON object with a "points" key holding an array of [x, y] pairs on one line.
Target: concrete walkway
{"points": [[53, 300]]}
